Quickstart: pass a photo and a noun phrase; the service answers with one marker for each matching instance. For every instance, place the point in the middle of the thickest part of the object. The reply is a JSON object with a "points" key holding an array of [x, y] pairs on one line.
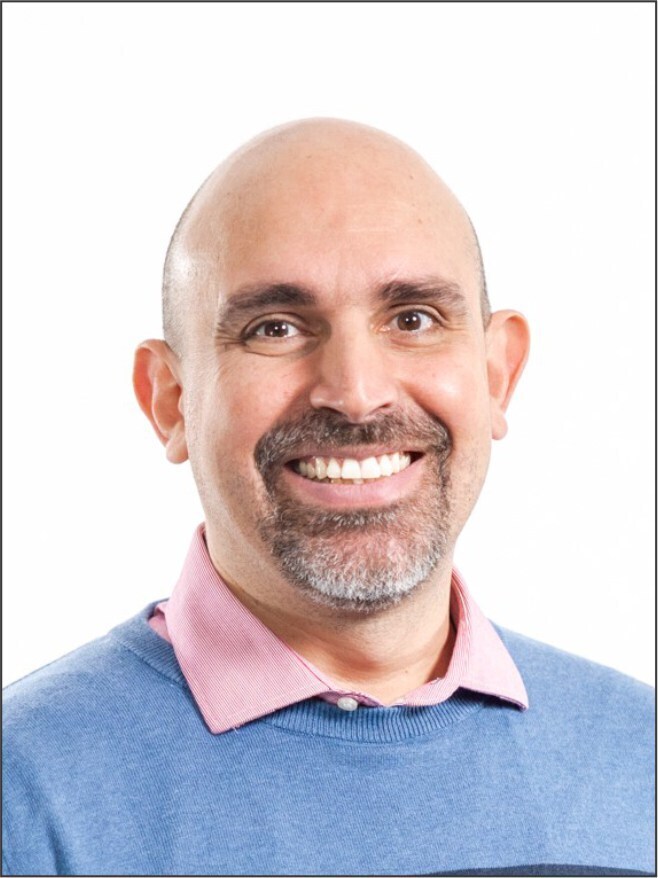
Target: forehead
{"points": [[340, 229]]}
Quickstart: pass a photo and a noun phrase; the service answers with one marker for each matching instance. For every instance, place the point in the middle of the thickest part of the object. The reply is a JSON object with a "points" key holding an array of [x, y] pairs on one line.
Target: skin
{"points": [[340, 210]]}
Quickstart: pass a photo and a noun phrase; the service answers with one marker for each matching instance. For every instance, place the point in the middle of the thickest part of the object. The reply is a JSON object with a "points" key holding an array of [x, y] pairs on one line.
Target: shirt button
{"points": [[346, 702]]}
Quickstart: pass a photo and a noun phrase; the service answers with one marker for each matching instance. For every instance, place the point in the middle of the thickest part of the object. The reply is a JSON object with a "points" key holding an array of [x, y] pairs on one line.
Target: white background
{"points": [[539, 116]]}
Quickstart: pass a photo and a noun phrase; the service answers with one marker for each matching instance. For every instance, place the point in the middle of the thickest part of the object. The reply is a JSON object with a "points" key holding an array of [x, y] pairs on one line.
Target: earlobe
{"points": [[159, 391], [508, 345]]}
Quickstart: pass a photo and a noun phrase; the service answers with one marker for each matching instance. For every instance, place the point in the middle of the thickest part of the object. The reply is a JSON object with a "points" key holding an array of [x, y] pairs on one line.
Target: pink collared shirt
{"points": [[239, 670]]}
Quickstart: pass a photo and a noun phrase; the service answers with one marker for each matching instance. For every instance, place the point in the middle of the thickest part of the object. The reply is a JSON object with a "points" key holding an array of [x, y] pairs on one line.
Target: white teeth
{"points": [[370, 468], [350, 469], [385, 465]]}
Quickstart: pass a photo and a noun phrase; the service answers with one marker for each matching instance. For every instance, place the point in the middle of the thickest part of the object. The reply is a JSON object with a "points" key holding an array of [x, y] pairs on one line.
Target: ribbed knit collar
{"points": [[238, 670]]}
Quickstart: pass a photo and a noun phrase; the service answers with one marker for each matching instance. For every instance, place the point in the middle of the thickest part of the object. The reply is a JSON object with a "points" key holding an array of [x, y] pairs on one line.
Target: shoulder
{"points": [[581, 694], [80, 725], [95, 684], [585, 747], [549, 665]]}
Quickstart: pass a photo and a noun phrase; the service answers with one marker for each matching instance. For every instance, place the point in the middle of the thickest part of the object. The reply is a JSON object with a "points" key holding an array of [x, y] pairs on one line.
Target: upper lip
{"points": [[357, 452]]}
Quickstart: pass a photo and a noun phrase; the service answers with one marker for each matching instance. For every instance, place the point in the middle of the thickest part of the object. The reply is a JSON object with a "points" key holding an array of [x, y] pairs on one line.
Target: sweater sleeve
{"points": [[29, 833]]}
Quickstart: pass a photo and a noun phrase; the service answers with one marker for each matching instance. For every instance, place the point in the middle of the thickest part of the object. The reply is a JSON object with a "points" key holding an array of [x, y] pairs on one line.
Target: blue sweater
{"points": [[109, 769]]}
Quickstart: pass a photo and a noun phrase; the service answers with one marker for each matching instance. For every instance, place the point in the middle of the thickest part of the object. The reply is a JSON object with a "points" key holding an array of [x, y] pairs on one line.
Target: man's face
{"points": [[335, 390]]}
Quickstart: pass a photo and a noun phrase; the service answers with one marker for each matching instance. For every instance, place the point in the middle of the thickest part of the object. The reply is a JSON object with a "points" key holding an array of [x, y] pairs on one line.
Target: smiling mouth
{"points": [[350, 471]]}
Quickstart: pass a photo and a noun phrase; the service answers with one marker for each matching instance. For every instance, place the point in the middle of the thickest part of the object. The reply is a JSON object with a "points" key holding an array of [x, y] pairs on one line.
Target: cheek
{"points": [[457, 394], [244, 404]]}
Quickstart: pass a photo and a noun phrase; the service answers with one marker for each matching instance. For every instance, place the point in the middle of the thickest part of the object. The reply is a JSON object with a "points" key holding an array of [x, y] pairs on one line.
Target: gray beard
{"points": [[357, 560]]}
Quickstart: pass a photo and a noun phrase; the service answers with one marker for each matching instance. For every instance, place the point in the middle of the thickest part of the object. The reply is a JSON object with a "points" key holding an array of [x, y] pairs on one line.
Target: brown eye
{"points": [[275, 329], [413, 321]]}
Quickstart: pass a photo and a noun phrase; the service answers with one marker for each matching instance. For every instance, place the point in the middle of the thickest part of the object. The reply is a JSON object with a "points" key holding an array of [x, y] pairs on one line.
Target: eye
{"points": [[276, 335], [274, 329], [414, 321]]}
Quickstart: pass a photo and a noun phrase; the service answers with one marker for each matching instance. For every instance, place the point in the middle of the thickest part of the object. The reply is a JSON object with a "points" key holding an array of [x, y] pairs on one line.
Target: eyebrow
{"points": [[432, 290], [250, 299]]}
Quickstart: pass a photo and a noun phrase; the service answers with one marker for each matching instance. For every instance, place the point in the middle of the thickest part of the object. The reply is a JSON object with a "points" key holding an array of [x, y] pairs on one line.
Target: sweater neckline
{"points": [[375, 725], [313, 716]]}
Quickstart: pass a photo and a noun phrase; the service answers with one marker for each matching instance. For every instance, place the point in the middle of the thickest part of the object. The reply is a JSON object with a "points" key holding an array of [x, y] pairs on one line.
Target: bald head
{"points": [[312, 173]]}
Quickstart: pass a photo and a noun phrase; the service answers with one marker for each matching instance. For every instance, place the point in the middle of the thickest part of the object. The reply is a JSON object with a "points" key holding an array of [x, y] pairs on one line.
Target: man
{"points": [[321, 694]]}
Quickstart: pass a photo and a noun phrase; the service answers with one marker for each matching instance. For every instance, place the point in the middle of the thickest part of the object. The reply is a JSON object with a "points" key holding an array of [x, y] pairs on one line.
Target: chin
{"points": [[363, 572]]}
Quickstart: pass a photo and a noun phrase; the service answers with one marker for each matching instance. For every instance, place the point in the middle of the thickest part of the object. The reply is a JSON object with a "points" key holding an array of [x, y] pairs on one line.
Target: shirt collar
{"points": [[238, 670]]}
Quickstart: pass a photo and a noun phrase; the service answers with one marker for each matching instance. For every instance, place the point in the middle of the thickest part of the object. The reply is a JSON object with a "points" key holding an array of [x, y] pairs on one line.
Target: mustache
{"points": [[329, 429]]}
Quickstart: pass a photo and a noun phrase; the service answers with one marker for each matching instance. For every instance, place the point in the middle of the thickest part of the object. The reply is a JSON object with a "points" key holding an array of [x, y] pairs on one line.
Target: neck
{"points": [[385, 654]]}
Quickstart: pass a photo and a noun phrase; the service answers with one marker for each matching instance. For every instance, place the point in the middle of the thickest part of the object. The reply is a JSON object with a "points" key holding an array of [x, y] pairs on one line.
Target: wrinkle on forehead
{"points": [[317, 172]]}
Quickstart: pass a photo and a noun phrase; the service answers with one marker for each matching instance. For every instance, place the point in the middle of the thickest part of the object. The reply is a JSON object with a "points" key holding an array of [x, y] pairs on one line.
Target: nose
{"points": [[354, 376]]}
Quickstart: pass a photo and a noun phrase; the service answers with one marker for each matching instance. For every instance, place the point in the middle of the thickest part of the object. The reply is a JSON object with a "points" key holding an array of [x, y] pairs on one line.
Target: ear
{"points": [[508, 345], [159, 393]]}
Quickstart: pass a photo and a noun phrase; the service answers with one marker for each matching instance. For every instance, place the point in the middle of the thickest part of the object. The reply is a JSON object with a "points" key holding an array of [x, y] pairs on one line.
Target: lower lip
{"points": [[378, 492]]}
